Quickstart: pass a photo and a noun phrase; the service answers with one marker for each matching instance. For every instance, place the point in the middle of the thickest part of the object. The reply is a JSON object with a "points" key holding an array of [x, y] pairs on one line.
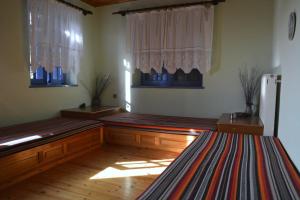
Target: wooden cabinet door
{"points": [[85, 140], [174, 142], [17, 165], [120, 136], [53, 152]]}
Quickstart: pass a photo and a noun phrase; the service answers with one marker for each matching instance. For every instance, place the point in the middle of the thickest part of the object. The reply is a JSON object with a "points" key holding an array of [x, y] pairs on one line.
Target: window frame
{"points": [[167, 80], [52, 77]]}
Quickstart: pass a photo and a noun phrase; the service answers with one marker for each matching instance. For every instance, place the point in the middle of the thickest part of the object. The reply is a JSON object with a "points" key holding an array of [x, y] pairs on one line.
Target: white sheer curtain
{"points": [[55, 37], [176, 39], [146, 39]]}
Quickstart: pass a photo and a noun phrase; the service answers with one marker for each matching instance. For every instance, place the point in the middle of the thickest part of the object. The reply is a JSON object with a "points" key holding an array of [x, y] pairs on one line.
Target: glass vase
{"points": [[249, 109]]}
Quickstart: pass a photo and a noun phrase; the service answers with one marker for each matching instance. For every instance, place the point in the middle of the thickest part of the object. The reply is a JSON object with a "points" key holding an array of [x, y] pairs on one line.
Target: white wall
{"points": [[18, 102], [242, 35], [289, 61]]}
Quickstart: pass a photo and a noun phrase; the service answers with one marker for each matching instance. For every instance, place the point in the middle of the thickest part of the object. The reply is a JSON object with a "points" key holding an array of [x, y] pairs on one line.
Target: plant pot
{"points": [[96, 102]]}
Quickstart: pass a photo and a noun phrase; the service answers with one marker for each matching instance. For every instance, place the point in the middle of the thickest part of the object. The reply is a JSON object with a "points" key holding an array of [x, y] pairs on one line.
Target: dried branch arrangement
{"points": [[101, 83], [250, 80]]}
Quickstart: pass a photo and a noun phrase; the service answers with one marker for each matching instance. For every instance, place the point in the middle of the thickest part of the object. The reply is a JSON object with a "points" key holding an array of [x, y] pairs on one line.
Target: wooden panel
{"points": [[87, 139], [173, 143], [53, 152], [17, 165], [120, 136], [147, 139], [21, 165]]}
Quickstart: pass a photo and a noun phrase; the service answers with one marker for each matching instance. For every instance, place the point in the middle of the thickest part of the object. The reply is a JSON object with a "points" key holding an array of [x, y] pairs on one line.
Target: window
{"points": [[55, 43], [171, 48], [167, 80]]}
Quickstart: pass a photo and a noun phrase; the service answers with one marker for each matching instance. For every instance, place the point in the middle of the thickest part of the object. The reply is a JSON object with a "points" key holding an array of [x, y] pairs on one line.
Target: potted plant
{"points": [[101, 83], [250, 80]]}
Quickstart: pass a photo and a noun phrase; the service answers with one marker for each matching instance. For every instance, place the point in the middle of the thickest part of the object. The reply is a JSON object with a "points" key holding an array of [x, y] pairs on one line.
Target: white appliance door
{"points": [[268, 103]]}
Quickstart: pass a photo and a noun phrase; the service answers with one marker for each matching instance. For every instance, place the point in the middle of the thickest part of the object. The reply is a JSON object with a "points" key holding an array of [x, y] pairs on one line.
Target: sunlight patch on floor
{"points": [[112, 172], [134, 168], [140, 165]]}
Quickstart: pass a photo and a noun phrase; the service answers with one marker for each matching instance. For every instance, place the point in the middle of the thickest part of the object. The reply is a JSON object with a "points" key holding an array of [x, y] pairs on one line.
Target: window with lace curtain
{"points": [[55, 43], [171, 48]]}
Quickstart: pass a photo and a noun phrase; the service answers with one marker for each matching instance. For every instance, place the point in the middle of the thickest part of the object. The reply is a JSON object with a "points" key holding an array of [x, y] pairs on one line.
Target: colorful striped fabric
{"points": [[229, 166]]}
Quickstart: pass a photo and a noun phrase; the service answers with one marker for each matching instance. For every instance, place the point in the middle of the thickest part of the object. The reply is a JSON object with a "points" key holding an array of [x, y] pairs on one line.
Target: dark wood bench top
{"points": [[24, 136], [168, 123], [90, 112]]}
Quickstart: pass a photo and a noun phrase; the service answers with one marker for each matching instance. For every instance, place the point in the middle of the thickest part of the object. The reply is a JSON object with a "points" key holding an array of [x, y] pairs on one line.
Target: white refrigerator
{"points": [[269, 103]]}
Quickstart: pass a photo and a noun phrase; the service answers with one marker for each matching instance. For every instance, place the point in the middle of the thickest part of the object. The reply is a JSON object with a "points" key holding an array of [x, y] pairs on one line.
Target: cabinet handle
{"points": [[40, 156]]}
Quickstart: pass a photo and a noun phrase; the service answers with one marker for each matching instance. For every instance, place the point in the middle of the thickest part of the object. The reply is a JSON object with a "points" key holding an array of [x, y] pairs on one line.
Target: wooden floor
{"points": [[112, 172]]}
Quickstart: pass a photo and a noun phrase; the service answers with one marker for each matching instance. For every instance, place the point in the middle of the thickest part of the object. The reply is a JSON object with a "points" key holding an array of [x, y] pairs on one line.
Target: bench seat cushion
{"points": [[24, 136], [160, 122], [229, 166]]}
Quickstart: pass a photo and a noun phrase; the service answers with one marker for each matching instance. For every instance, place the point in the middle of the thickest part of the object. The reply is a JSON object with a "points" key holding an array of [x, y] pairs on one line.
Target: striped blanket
{"points": [[161, 122], [229, 166]]}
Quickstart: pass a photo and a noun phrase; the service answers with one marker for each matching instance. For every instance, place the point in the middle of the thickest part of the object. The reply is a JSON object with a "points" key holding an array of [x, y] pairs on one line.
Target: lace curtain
{"points": [[55, 37], [176, 39]]}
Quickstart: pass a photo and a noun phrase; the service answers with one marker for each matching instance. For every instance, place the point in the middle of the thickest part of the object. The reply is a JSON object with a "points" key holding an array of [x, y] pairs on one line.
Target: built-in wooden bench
{"points": [[154, 131], [31, 148]]}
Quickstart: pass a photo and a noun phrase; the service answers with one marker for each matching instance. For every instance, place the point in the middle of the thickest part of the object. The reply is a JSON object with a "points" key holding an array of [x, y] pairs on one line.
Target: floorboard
{"points": [[111, 172]]}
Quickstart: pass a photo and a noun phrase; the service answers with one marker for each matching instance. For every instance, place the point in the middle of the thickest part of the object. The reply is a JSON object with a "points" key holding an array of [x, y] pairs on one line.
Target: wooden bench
{"points": [[31, 148], [154, 131]]}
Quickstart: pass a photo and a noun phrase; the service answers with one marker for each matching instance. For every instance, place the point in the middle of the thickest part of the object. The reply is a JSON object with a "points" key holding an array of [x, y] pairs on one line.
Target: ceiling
{"points": [[98, 3]]}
